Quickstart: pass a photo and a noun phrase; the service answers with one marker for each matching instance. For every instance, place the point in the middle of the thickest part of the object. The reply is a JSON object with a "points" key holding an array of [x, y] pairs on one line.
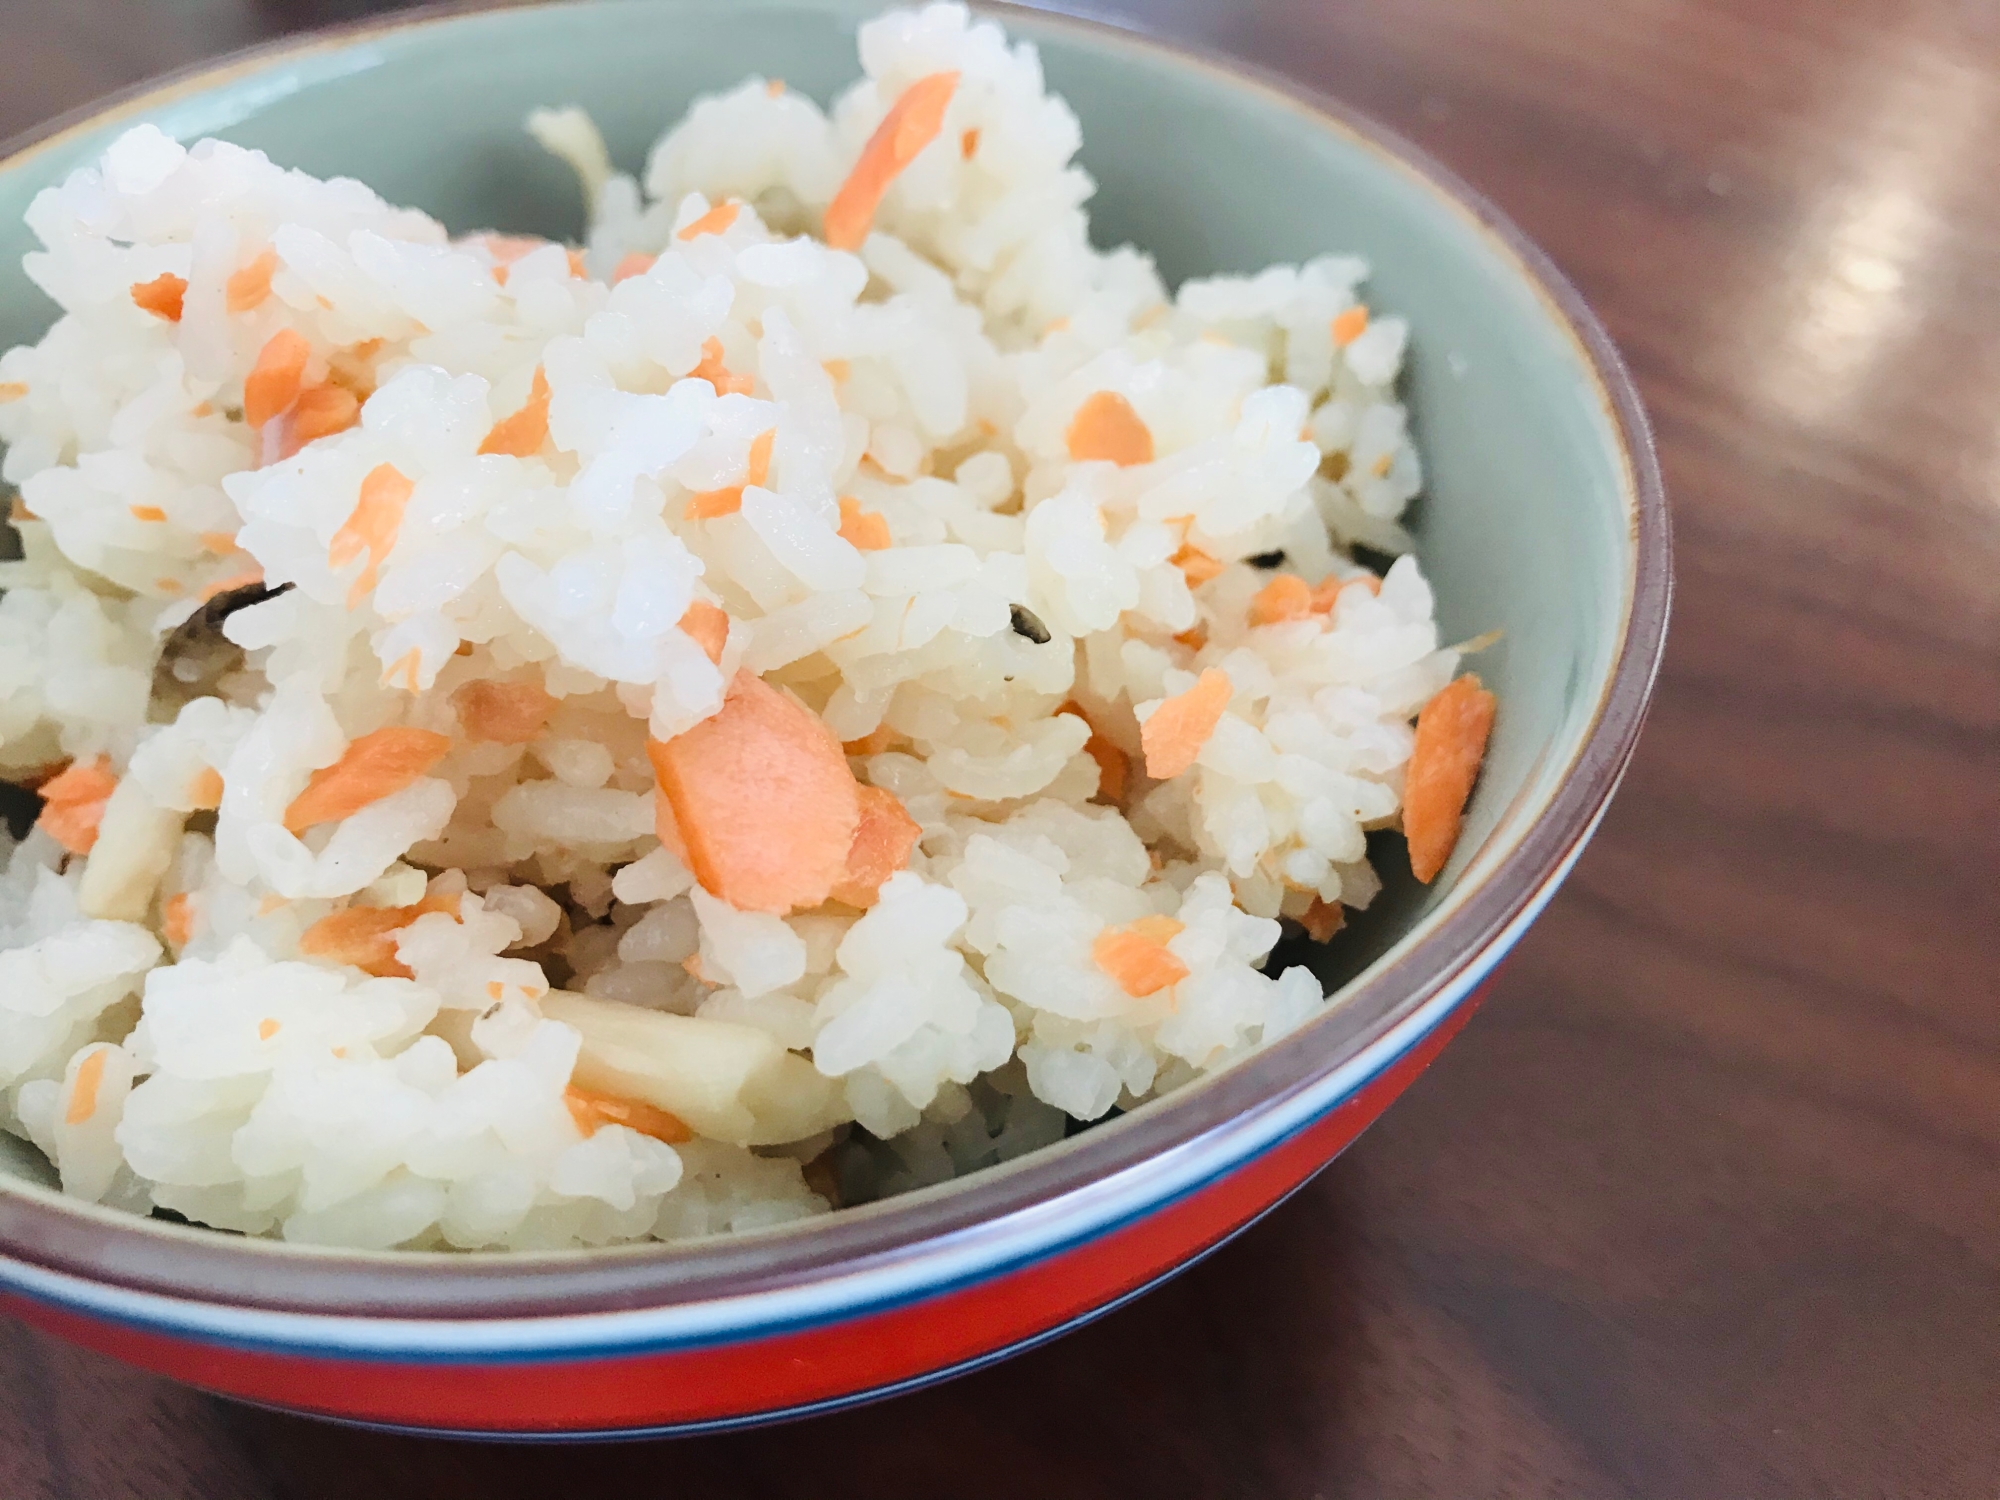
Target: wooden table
{"points": [[1706, 1203]]}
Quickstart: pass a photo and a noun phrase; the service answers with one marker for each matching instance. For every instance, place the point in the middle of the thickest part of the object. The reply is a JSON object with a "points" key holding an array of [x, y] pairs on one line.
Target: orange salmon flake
{"points": [[177, 919], [911, 124], [371, 528], [1136, 955], [968, 143], [266, 1029], [522, 434], [1451, 742], [711, 369], [240, 580], [321, 411], [89, 1079], [274, 382], [146, 512], [206, 790], [883, 842], [1196, 565], [163, 296], [708, 626], [365, 936], [706, 505], [11, 390], [1286, 597], [1323, 919], [372, 767], [1349, 326], [715, 221], [1181, 725], [635, 263], [250, 283], [592, 1111], [507, 713], [1327, 590], [865, 530], [73, 803], [1106, 428]]}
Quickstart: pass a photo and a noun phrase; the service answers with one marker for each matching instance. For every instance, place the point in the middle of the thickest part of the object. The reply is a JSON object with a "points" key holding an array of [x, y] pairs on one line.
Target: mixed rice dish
{"points": [[804, 696]]}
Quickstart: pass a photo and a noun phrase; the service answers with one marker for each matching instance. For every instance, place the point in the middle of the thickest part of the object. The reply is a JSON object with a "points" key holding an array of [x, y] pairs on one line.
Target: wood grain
{"points": [[1704, 1203]]}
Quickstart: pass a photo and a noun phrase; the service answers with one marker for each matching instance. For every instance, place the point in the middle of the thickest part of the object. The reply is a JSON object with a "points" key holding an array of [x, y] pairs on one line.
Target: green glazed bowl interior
{"points": [[1540, 517]]}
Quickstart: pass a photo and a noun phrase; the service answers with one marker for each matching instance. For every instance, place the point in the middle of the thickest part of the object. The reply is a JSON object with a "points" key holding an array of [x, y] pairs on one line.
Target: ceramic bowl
{"points": [[1542, 517]]}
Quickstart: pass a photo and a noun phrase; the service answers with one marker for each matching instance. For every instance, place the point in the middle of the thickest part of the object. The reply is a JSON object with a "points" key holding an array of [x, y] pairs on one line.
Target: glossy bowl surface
{"points": [[1542, 517]]}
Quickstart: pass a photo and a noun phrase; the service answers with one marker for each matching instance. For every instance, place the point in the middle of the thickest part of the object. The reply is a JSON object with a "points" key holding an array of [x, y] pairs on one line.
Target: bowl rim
{"points": [[59, 1240]]}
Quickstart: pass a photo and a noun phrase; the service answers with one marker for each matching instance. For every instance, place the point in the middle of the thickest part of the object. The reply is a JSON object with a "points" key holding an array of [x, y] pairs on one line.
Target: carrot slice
{"points": [[1349, 326], [1323, 919], [1180, 726], [911, 124], [1451, 743], [274, 382], [882, 845], [371, 528], [592, 1111], [712, 370], [1286, 597], [708, 626], [250, 283], [760, 798], [89, 1079], [365, 936], [715, 221], [1196, 565], [522, 434], [635, 263], [1328, 589], [1136, 955], [163, 296], [1106, 427], [177, 919], [206, 792], [321, 411], [865, 530], [375, 766], [507, 713], [73, 804], [706, 505]]}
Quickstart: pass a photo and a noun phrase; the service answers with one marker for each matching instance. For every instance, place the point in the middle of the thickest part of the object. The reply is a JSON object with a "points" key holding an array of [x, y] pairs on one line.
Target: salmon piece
{"points": [[1444, 763], [508, 248], [592, 1111], [365, 936], [1328, 589], [375, 766], [506, 713], [12, 390], [1136, 955], [968, 144], [1114, 766], [89, 1079], [708, 625], [865, 530], [250, 283], [73, 803], [577, 269], [241, 579], [146, 512], [706, 505], [635, 263], [911, 124], [715, 221], [177, 920], [371, 528], [206, 793], [274, 382], [1286, 597], [522, 434], [321, 411], [1180, 726], [1106, 428], [1323, 919], [882, 845], [876, 741], [712, 370], [1349, 326], [163, 296], [1196, 566], [760, 798]]}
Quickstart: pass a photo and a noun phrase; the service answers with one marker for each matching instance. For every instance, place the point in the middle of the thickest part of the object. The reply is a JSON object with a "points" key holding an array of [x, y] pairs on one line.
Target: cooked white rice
{"points": [[165, 1039]]}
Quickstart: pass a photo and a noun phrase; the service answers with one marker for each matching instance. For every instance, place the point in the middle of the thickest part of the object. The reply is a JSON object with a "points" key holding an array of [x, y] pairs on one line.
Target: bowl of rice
{"points": [[712, 708]]}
